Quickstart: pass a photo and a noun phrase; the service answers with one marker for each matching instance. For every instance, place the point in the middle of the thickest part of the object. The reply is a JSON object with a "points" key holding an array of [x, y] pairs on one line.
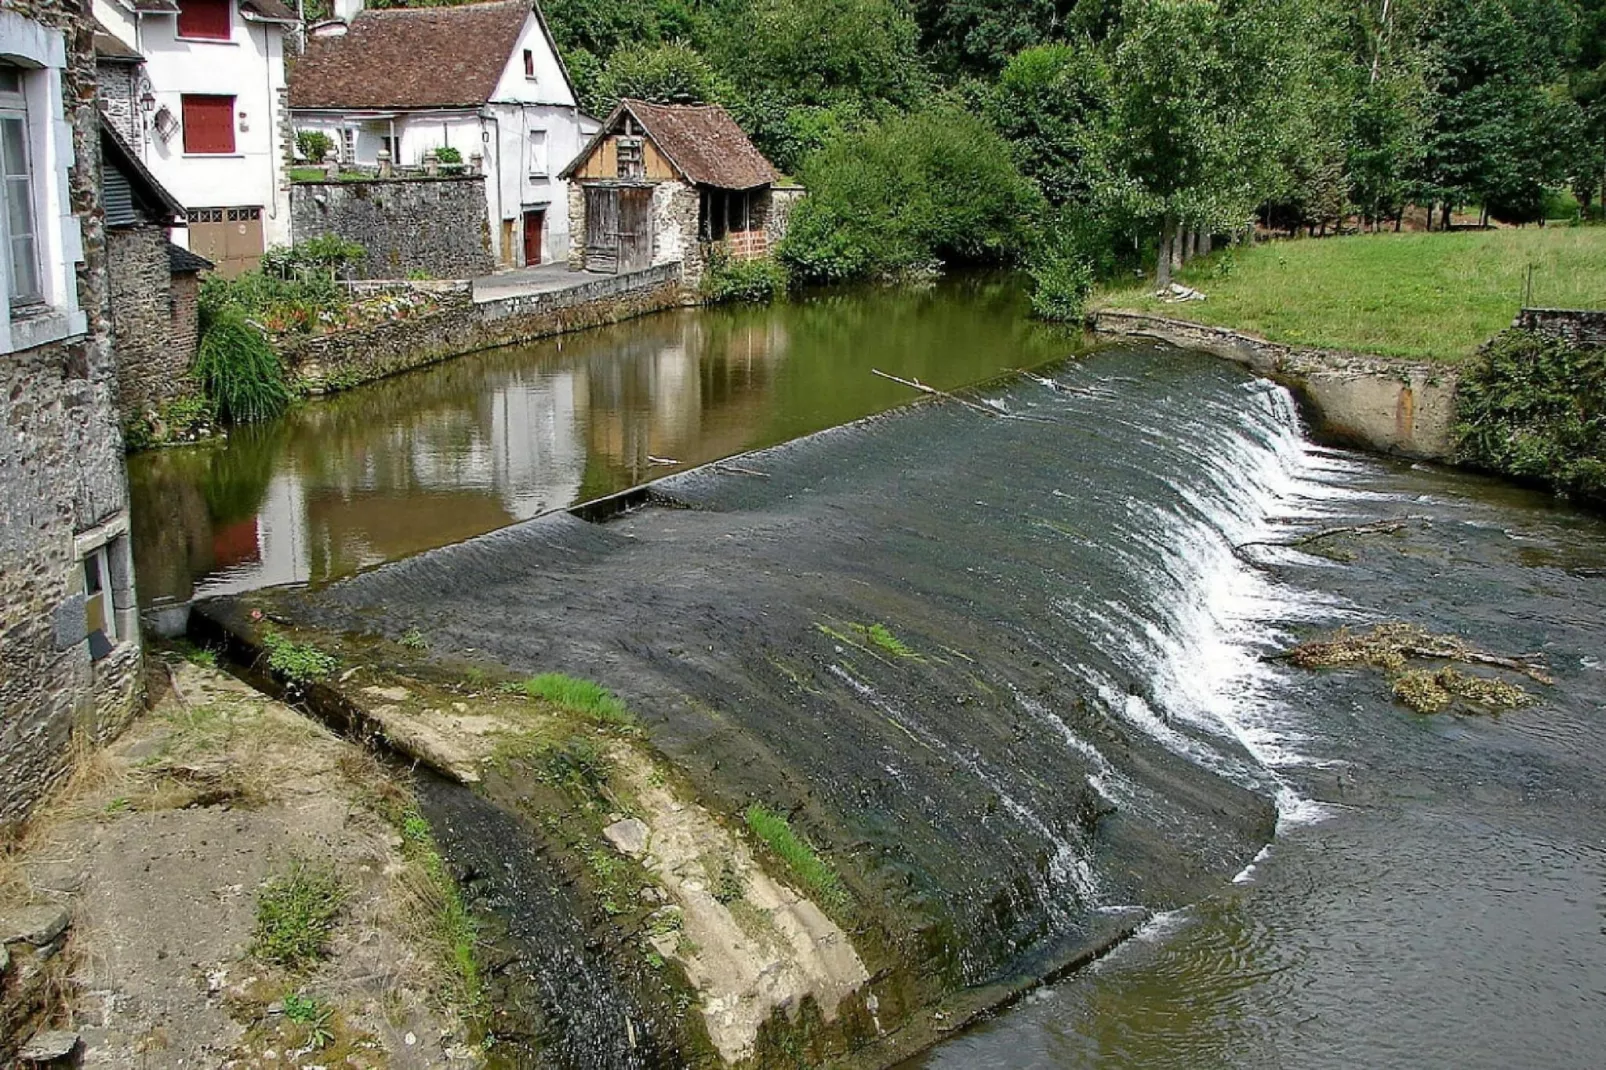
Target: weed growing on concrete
{"points": [[576, 763], [581, 697], [807, 866], [300, 663], [447, 923], [313, 1015], [296, 914], [413, 639], [870, 638]]}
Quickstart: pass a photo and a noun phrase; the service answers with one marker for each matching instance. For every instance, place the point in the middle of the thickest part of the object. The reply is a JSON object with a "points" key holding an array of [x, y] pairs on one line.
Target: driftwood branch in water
{"points": [[916, 384], [1390, 646], [740, 471]]}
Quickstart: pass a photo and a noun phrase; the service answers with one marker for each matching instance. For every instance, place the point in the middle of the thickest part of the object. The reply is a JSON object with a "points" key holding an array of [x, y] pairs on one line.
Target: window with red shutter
{"points": [[208, 123], [211, 20]]}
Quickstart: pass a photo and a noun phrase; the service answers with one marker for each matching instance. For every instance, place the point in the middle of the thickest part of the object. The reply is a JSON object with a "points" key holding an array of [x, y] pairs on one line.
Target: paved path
{"points": [[548, 278]]}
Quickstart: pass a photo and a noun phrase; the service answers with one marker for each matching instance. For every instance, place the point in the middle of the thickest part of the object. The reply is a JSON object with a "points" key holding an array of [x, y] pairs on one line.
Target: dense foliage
{"points": [[1535, 408], [1149, 128]]}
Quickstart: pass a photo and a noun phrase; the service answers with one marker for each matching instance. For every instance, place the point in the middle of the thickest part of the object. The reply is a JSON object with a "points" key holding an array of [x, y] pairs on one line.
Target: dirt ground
{"points": [[161, 848]]}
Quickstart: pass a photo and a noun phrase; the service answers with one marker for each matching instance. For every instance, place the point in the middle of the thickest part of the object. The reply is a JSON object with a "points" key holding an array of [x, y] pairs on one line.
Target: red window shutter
{"points": [[208, 123], [211, 19]]}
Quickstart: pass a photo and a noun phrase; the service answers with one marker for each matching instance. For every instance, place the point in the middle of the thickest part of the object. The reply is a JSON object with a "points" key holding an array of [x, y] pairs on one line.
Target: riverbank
{"points": [[238, 887], [1430, 298]]}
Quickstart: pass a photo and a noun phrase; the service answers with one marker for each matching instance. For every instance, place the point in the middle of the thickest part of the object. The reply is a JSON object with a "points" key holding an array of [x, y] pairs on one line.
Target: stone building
{"points": [[153, 284], [69, 647], [661, 183], [120, 82]]}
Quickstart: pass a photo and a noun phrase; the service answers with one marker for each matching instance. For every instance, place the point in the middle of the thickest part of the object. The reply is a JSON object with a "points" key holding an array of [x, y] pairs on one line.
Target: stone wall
{"points": [[61, 477], [337, 361], [1391, 406], [1581, 327], [433, 225], [117, 100], [154, 336]]}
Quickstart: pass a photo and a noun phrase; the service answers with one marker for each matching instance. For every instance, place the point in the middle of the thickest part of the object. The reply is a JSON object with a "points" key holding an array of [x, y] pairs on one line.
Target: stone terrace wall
{"points": [[61, 474], [338, 361], [1581, 327], [154, 334], [434, 225]]}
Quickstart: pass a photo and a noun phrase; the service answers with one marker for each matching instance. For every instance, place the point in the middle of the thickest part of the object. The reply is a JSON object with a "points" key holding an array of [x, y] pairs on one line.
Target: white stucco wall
{"points": [[501, 132], [249, 67]]}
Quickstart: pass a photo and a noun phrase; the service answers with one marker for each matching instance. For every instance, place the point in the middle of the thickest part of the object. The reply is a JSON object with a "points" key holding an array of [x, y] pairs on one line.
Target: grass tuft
{"points": [[296, 915], [581, 697], [807, 866]]}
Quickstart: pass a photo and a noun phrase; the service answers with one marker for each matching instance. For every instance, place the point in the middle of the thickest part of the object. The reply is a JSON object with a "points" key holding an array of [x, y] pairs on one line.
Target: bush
{"points": [[899, 195], [315, 145], [237, 367], [326, 255], [670, 72], [1062, 280], [1535, 408], [742, 280]]}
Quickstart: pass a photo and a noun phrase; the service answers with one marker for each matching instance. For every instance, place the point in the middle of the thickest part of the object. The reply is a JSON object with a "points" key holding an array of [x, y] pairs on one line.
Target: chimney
{"points": [[346, 10]]}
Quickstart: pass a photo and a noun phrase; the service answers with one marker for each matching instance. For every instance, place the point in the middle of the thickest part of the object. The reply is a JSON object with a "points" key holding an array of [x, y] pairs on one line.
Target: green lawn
{"points": [[1423, 296]]}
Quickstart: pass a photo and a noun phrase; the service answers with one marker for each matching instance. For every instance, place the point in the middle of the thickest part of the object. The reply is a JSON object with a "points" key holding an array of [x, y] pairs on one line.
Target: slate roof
{"points": [[109, 47], [701, 140], [167, 6], [426, 57], [147, 193], [181, 261], [269, 9]]}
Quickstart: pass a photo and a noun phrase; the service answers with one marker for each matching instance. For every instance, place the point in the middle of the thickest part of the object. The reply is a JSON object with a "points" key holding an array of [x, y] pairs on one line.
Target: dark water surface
{"points": [[443, 454]]}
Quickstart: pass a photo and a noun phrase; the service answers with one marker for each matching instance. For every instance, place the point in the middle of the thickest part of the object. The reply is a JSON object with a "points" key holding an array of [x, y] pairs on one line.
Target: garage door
{"points": [[229, 237]]}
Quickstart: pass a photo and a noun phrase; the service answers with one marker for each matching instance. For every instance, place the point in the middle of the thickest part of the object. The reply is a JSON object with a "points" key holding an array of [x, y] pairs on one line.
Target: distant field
{"points": [[1422, 296]]}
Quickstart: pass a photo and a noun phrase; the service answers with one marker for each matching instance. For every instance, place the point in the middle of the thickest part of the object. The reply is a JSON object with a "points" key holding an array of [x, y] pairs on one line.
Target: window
{"points": [[529, 64], [20, 218], [106, 573], [538, 159], [207, 20], [208, 124], [100, 615], [630, 159]]}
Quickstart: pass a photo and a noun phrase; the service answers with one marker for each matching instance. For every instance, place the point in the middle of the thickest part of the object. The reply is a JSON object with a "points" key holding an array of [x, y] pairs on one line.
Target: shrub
{"points": [[669, 72], [1062, 280], [1535, 408], [937, 185], [315, 145], [448, 156], [742, 280], [326, 254], [238, 368]]}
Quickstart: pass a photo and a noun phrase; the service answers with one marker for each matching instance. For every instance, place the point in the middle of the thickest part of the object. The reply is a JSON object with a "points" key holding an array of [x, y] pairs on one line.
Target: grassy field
{"points": [[1422, 296]]}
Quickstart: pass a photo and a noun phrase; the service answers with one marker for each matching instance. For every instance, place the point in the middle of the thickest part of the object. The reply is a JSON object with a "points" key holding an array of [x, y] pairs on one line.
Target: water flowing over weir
{"points": [[1064, 716]]}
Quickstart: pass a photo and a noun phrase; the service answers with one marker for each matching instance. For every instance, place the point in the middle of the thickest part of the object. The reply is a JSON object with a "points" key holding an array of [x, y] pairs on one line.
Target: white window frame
{"points": [[540, 160], [108, 547], [14, 108], [41, 52]]}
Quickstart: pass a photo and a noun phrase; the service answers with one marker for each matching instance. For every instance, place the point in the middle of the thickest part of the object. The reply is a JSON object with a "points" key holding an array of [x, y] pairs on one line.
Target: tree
{"points": [[1053, 104], [671, 72], [935, 185]]}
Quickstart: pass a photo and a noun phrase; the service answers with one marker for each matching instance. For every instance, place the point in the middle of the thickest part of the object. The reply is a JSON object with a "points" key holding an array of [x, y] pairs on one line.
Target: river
{"points": [[1436, 892]]}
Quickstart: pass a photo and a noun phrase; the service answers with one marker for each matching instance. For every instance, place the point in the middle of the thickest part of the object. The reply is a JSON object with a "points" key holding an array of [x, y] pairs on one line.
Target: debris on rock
{"points": [[49, 1047]]}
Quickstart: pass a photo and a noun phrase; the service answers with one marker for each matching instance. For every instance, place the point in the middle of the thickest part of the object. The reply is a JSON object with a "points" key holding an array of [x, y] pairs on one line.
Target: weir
{"points": [[993, 669]]}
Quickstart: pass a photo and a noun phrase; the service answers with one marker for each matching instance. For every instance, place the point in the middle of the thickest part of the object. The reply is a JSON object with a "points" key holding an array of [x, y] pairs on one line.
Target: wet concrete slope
{"points": [[979, 659]]}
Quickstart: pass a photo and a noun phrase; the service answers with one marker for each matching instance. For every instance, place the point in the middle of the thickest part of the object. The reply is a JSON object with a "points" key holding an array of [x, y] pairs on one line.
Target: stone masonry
{"points": [[1580, 327], [154, 333], [62, 482], [437, 226]]}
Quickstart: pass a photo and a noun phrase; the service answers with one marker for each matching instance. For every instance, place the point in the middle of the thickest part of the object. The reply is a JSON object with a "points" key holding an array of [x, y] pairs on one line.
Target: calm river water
{"points": [[1436, 895]]}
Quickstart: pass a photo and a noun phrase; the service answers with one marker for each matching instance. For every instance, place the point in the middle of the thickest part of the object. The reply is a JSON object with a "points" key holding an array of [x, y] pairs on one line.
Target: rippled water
{"points": [[1443, 902]]}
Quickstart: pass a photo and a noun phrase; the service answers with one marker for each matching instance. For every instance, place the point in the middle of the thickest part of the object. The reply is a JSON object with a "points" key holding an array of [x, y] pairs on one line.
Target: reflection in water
{"points": [[471, 445]]}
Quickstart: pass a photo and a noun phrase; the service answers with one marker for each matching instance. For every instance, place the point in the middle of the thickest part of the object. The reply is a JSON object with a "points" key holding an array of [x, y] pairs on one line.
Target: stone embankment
{"points": [[1405, 408], [1400, 407], [461, 325]]}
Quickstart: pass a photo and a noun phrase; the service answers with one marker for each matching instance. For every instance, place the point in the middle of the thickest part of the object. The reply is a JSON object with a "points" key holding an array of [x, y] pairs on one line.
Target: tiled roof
{"points": [[269, 9], [181, 261], [427, 57], [701, 140], [110, 48]]}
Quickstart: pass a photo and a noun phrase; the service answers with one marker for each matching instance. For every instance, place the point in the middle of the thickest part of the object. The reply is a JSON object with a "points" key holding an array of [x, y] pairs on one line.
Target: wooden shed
{"points": [[664, 182]]}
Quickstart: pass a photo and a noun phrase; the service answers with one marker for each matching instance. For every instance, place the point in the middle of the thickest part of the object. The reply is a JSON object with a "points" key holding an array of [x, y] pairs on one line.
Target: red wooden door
{"points": [[534, 224]]}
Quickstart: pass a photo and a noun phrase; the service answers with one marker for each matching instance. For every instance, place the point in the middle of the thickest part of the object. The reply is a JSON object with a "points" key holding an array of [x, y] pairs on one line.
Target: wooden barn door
{"points": [[635, 229], [602, 229]]}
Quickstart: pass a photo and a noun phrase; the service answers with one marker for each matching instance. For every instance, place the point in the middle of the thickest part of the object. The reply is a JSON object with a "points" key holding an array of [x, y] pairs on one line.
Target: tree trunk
{"points": [[1446, 217], [1207, 243], [1483, 218], [1162, 263], [1399, 220]]}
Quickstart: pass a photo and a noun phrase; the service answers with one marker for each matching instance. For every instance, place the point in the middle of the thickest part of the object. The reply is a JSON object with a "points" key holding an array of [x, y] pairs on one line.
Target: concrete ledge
{"points": [[1399, 407]]}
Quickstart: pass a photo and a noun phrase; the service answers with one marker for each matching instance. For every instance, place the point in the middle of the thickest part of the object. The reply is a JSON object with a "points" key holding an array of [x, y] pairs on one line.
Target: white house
{"points": [[483, 79], [211, 97]]}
